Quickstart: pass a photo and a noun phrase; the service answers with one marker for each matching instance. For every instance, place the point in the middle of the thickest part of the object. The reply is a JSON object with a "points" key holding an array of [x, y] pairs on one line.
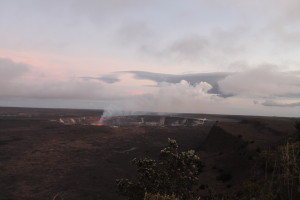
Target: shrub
{"points": [[175, 173], [282, 179]]}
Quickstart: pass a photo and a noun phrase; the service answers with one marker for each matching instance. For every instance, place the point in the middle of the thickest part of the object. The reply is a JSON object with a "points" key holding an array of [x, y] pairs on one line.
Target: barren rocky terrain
{"points": [[41, 158]]}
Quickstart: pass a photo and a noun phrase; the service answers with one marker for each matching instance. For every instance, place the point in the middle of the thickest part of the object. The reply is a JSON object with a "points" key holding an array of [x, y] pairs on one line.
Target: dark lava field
{"points": [[41, 158]]}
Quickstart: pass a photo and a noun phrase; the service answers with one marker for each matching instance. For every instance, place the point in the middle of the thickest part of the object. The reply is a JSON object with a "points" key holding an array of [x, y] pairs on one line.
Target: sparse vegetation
{"points": [[281, 181], [282, 169], [175, 173], [52, 154]]}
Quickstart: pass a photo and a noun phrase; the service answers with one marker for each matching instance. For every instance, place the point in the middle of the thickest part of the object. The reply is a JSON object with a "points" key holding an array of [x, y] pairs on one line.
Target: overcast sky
{"points": [[217, 56]]}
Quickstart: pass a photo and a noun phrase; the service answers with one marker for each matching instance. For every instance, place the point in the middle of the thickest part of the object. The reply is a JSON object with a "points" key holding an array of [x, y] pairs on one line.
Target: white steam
{"points": [[169, 97], [114, 110]]}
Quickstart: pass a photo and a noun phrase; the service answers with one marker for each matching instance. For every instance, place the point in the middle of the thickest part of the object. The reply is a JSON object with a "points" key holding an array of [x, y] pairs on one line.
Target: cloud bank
{"points": [[11, 70], [264, 81], [280, 104], [253, 91], [193, 79]]}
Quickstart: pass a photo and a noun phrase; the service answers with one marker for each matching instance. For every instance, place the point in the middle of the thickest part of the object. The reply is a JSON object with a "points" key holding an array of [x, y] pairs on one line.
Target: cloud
{"points": [[193, 79], [173, 97], [18, 80], [189, 48], [136, 32], [108, 78], [128, 90], [11, 70], [264, 81], [195, 93], [183, 97], [218, 44], [279, 104], [51, 89], [172, 93]]}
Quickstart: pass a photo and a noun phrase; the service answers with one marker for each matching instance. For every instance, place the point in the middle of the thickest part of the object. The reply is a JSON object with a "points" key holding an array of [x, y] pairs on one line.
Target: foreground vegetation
{"points": [[175, 176], [282, 173]]}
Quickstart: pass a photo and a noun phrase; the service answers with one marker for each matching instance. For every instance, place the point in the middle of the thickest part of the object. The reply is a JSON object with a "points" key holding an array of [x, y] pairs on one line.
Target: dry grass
{"points": [[289, 167]]}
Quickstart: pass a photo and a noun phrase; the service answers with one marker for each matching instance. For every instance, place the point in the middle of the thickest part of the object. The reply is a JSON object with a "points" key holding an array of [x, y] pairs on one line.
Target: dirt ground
{"points": [[41, 158]]}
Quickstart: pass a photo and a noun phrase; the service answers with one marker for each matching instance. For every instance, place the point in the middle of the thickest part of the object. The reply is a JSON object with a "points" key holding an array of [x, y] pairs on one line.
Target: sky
{"points": [[194, 56]]}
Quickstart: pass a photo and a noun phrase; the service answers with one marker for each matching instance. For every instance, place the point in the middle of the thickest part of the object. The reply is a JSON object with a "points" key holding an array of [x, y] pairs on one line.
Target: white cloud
{"points": [[177, 97], [185, 98], [263, 81]]}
